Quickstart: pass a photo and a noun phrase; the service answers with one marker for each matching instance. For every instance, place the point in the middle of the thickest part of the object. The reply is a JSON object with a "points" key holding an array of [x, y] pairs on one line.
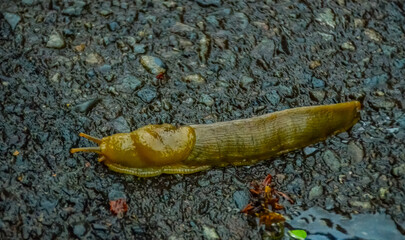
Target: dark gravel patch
{"points": [[74, 66]]}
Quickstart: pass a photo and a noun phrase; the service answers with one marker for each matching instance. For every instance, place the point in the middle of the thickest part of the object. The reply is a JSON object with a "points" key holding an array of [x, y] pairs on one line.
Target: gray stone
{"points": [[399, 171], [326, 36], [331, 160], [12, 19], [128, 84], [241, 198], [181, 28], [153, 65], [86, 107], [204, 48], [28, 2], [329, 203], [94, 59], [74, 10], [112, 26], [317, 95], [348, 46], [210, 233], [327, 17], [373, 35], [376, 80], [241, 20], [55, 41], [139, 48], [315, 192], [309, 150], [212, 20], [209, 3], [382, 103], [355, 152], [399, 63], [401, 122], [79, 230], [207, 100], [264, 50], [194, 78], [120, 125], [147, 94], [388, 50], [273, 97], [318, 83], [246, 81], [360, 204]]}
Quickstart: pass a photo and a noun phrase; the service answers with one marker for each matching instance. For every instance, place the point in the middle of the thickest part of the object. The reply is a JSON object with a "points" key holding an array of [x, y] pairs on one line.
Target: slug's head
{"points": [[149, 146]]}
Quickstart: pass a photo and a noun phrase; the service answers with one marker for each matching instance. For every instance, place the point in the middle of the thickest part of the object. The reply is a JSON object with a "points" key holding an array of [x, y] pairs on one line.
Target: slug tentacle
{"points": [[156, 149], [91, 138], [86, 149]]}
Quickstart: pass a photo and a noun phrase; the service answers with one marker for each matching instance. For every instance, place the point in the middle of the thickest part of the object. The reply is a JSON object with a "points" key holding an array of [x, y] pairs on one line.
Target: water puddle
{"points": [[323, 225]]}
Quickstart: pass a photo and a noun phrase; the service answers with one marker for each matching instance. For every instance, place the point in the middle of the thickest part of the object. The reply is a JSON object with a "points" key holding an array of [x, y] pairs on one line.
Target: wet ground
{"points": [[80, 66]]}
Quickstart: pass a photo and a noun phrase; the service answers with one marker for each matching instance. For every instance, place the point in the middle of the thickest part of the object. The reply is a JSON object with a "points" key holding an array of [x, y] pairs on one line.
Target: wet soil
{"points": [[73, 66]]}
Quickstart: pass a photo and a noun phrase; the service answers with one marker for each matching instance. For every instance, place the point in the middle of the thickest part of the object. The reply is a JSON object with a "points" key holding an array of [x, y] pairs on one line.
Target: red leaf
{"points": [[119, 206]]}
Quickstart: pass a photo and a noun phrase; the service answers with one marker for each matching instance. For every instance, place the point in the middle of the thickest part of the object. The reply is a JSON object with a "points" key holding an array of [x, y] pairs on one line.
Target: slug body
{"points": [[156, 149]]}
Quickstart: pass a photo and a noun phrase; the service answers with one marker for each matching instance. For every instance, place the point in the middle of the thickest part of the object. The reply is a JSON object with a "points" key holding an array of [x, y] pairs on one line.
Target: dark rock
{"points": [[331, 160], [315, 192], [399, 63], [318, 83], [355, 152], [86, 107], [79, 230], [209, 3], [207, 100], [74, 10], [12, 19], [376, 80], [181, 28], [139, 48], [147, 94], [310, 150], [399, 171], [382, 103], [241, 198], [264, 50], [106, 68], [113, 26], [273, 97], [120, 125], [128, 84]]}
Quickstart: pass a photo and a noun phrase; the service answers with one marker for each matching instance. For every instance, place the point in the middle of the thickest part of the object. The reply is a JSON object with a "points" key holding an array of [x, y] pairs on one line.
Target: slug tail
{"points": [[86, 149], [93, 139]]}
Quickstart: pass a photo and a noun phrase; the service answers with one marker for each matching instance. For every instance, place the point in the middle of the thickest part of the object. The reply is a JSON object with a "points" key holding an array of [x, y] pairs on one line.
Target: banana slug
{"points": [[155, 149]]}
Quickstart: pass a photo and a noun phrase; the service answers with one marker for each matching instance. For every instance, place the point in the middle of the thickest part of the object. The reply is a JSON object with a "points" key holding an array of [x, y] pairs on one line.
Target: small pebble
{"points": [[12, 19], [194, 78], [147, 94], [153, 65], [55, 41], [207, 100]]}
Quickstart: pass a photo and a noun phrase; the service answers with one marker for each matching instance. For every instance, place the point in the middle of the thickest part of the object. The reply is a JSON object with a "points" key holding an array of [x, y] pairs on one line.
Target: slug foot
{"points": [[156, 171]]}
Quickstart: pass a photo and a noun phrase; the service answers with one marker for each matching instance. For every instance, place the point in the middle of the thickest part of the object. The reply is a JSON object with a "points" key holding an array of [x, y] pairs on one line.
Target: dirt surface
{"points": [[75, 66]]}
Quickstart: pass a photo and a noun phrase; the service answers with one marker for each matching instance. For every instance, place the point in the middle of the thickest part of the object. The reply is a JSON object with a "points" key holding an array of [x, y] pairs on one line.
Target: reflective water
{"points": [[321, 225]]}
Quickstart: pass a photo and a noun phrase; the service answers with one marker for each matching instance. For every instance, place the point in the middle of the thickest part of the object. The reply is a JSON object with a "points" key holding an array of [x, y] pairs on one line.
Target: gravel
{"points": [[97, 67]]}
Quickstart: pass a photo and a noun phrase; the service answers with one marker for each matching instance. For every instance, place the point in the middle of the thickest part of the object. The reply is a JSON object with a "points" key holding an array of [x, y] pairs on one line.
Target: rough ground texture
{"points": [[74, 66]]}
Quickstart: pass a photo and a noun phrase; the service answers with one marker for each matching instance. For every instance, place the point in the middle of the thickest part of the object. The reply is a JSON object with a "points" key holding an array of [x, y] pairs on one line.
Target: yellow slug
{"points": [[155, 149]]}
